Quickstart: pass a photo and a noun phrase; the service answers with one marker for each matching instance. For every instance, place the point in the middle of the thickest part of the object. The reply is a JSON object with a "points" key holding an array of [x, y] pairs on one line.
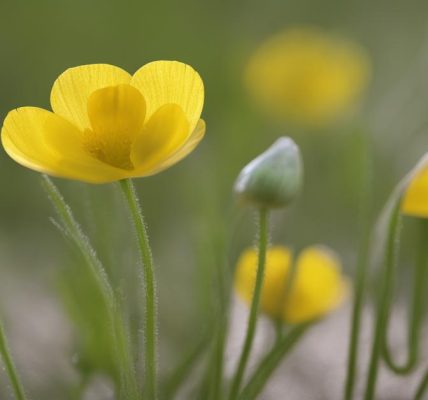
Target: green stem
{"points": [[184, 368], [271, 361], [362, 262], [216, 386], [150, 326], [217, 359], [360, 286], [252, 321], [10, 366], [126, 371], [386, 282], [416, 310]]}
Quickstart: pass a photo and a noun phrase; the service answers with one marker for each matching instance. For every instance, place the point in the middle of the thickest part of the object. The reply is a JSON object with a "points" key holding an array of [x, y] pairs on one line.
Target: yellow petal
{"points": [[415, 201], [45, 142], [163, 134], [318, 286], [117, 116], [278, 261], [166, 82], [71, 91], [185, 150]]}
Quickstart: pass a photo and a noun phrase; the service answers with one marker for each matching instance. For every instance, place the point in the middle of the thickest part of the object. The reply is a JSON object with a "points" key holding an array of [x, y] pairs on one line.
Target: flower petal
{"points": [[40, 140], [278, 263], [165, 82], [318, 286], [117, 116], [164, 133], [71, 91], [193, 140], [415, 200]]}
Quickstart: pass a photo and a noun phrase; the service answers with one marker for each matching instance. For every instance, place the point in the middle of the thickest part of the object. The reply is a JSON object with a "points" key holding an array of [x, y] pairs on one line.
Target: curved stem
{"points": [[123, 352], [252, 320], [150, 326], [416, 310], [10, 366], [387, 280]]}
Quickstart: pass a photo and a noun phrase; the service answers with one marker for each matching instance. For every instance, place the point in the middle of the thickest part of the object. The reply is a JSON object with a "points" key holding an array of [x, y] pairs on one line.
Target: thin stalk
{"points": [[128, 385], [216, 381], [182, 371], [387, 281], [218, 249], [150, 316], [358, 300], [252, 321], [10, 366], [217, 359], [361, 267], [271, 361], [416, 309]]}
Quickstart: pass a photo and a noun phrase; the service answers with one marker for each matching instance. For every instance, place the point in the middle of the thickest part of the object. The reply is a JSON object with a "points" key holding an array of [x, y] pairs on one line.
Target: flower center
{"points": [[116, 114]]}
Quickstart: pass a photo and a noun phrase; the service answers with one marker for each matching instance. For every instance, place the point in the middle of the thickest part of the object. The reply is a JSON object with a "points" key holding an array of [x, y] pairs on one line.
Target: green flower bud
{"points": [[274, 178]]}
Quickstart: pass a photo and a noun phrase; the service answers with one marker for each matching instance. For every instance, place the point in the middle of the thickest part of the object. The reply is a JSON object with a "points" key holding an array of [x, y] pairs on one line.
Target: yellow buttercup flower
{"points": [[306, 76], [107, 125], [415, 198], [318, 286]]}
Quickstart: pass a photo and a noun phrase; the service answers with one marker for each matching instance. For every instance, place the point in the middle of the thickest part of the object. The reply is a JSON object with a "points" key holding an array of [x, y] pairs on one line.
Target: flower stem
{"points": [[271, 361], [128, 384], [252, 321], [150, 326], [365, 143], [360, 285], [416, 309], [10, 366], [384, 302]]}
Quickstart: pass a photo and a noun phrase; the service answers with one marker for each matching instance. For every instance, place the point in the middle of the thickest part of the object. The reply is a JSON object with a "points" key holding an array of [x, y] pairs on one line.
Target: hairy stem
{"points": [[150, 315], [252, 321], [10, 366]]}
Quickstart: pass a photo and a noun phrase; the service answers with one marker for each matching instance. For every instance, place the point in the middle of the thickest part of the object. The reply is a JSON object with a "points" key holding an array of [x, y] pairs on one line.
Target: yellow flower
{"points": [[107, 125], [415, 197], [318, 286], [306, 76]]}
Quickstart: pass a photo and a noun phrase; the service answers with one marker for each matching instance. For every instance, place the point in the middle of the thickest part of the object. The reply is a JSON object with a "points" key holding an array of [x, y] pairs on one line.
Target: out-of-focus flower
{"points": [[274, 178], [306, 76], [318, 286], [107, 125], [415, 198]]}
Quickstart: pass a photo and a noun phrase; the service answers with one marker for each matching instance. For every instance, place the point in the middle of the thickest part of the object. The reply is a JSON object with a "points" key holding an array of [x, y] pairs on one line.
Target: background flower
{"points": [[307, 76], [318, 286]]}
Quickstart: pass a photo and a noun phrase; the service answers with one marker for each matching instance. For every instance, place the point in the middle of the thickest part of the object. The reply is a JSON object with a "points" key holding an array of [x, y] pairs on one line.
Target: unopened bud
{"points": [[274, 178]]}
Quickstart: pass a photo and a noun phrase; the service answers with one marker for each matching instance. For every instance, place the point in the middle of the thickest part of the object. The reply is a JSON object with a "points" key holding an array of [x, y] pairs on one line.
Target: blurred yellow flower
{"points": [[107, 125], [415, 198], [318, 286], [306, 76]]}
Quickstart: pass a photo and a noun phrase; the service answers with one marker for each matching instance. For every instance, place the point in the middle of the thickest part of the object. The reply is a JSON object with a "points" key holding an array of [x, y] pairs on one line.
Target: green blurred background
{"points": [[191, 204]]}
